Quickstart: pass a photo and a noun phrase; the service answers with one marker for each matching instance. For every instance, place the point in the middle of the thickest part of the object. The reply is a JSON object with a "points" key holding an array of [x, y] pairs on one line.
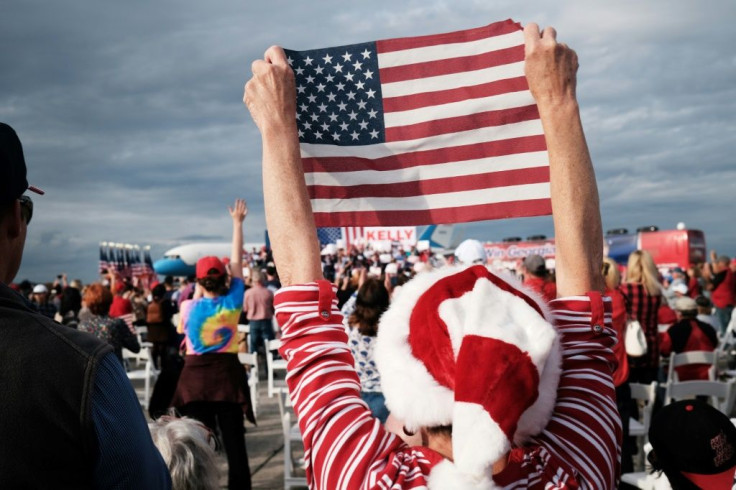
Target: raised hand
{"points": [[239, 210], [550, 66], [271, 93]]}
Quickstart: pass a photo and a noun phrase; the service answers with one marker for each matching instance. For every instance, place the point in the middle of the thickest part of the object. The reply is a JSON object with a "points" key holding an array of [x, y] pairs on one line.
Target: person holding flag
{"points": [[503, 391]]}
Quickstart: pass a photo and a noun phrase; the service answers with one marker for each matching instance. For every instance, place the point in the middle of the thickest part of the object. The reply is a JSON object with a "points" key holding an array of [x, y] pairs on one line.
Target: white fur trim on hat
{"points": [[487, 315], [445, 475]]}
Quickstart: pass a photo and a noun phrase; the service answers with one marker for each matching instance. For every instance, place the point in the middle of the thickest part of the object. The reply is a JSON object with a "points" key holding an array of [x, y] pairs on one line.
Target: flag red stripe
{"points": [[462, 123], [452, 65], [433, 186], [495, 29], [475, 151], [416, 101], [481, 212]]}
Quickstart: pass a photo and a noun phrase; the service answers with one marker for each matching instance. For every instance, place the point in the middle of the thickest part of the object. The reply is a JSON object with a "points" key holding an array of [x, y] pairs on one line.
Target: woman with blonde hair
{"points": [[642, 292]]}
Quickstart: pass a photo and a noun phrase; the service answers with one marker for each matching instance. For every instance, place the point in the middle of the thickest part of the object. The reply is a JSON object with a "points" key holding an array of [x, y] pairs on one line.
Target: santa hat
{"points": [[467, 348]]}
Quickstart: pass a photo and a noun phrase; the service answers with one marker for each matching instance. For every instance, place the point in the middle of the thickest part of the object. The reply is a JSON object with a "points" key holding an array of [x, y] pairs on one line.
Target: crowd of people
{"points": [[406, 369]]}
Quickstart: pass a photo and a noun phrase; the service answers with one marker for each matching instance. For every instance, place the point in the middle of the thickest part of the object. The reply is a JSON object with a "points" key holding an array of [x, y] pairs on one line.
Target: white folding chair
{"points": [[245, 330], [692, 357], [646, 480], [250, 359], [141, 333], [274, 365], [148, 373], [721, 393], [292, 476], [644, 395]]}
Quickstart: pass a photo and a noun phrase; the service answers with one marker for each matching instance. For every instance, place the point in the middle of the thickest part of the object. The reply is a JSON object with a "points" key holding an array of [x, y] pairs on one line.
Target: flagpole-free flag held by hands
{"points": [[420, 130]]}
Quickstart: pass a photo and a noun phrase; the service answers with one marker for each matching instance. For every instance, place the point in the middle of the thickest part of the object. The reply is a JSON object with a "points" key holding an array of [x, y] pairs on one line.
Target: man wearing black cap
{"points": [[694, 445], [69, 416]]}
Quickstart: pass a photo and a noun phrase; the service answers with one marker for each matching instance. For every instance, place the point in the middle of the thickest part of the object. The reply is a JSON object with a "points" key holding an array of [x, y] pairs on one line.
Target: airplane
{"points": [[181, 261], [442, 239]]}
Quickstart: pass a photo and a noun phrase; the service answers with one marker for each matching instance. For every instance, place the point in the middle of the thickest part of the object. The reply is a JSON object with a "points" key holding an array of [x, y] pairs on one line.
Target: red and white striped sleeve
{"points": [[345, 447], [585, 430]]}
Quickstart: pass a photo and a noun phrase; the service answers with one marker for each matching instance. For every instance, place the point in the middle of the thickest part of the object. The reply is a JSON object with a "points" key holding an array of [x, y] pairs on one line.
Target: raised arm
{"points": [[551, 69], [271, 98], [238, 212]]}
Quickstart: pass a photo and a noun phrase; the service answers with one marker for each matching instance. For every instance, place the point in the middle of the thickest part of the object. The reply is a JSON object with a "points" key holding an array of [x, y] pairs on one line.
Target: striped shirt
{"points": [[346, 448]]}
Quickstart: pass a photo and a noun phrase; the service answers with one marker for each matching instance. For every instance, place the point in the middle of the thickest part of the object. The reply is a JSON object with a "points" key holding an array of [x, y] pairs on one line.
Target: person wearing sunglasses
{"points": [[69, 416]]}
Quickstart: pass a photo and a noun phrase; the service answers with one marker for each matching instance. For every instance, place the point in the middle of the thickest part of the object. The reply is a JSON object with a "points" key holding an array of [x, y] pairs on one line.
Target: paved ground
{"points": [[265, 443]]}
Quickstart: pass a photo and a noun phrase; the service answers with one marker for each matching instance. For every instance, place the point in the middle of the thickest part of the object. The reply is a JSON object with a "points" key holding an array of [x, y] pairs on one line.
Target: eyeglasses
{"points": [[26, 208]]}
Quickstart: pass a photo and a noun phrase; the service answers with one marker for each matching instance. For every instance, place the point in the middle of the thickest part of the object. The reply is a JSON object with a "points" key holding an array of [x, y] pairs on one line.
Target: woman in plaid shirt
{"points": [[643, 294]]}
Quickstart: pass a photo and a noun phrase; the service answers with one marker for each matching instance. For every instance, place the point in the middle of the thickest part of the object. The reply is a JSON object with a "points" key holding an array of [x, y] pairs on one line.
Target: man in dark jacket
{"points": [[69, 416], [686, 335]]}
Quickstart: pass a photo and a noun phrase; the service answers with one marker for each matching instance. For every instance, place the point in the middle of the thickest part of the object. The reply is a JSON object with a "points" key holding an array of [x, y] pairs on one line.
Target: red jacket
{"points": [[689, 335], [725, 293], [546, 289], [120, 306], [621, 374]]}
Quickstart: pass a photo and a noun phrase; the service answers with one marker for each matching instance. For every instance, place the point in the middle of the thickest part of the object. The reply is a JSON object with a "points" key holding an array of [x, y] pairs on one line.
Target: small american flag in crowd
{"points": [[125, 259], [348, 234], [430, 129]]}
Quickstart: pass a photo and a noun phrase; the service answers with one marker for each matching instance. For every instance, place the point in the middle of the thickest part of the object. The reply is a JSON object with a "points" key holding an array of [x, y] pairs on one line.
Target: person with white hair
{"points": [[504, 391], [187, 447]]}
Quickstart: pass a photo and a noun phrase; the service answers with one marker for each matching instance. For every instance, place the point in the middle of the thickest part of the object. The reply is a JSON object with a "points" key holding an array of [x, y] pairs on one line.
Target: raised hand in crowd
{"points": [[238, 212]]}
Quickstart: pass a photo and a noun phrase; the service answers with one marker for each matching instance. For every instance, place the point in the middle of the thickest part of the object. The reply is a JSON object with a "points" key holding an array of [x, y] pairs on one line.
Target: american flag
{"points": [[104, 264], [349, 234], [430, 129]]}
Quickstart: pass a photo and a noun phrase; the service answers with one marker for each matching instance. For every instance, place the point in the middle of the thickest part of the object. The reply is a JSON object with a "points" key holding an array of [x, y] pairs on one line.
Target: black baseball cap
{"points": [[695, 440], [13, 182]]}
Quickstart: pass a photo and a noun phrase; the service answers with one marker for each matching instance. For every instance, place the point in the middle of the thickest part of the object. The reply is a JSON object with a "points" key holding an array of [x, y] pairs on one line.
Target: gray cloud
{"points": [[132, 120]]}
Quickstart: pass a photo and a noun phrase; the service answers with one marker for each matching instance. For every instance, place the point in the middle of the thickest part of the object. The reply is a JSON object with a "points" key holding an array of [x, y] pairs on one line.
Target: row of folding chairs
{"points": [[294, 475]]}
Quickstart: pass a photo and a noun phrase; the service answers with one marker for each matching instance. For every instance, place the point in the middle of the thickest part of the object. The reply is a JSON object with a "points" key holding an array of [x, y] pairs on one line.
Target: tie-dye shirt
{"points": [[211, 324]]}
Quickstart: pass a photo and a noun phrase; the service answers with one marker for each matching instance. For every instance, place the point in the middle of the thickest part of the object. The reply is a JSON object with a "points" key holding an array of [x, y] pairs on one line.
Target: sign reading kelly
{"points": [[403, 234]]}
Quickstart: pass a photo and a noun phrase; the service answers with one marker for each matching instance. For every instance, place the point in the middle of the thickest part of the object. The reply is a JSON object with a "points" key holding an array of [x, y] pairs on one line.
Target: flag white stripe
{"points": [[424, 172], [452, 81], [450, 50], [434, 201], [380, 150], [462, 108]]}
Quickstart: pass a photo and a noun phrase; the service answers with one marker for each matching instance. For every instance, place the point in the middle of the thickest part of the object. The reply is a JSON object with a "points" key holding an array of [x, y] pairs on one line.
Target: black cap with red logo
{"points": [[13, 182]]}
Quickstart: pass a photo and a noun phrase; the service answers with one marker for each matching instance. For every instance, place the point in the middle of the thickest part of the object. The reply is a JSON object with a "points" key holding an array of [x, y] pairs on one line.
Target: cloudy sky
{"points": [[132, 119]]}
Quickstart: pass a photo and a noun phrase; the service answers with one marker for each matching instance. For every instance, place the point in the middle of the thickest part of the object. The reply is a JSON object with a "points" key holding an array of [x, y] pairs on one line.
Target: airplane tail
{"points": [[441, 236]]}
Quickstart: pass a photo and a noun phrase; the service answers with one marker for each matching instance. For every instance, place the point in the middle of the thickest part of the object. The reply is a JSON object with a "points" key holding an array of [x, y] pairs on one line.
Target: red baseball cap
{"points": [[210, 266]]}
